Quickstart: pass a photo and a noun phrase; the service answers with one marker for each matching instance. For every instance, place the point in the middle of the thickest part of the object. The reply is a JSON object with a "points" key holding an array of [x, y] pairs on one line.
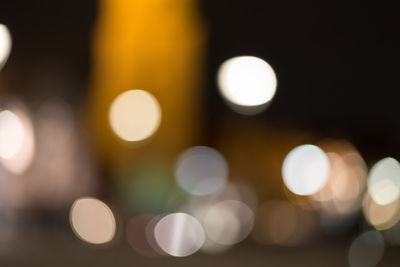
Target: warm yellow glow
{"points": [[382, 217], [135, 115], [12, 134], [247, 81], [305, 170], [5, 44], [25, 148], [384, 181], [179, 234], [92, 221], [201, 170]]}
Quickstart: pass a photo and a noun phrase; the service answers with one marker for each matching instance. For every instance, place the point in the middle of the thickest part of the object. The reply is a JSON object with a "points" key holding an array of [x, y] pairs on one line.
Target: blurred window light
{"points": [[12, 134], [247, 81], [305, 170], [201, 170], [179, 234], [135, 115], [92, 221], [384, 181], [5, 44], [366, 250]]}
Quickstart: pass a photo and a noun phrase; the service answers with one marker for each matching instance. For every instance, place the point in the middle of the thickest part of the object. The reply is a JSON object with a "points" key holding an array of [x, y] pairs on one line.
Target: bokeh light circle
{"points": [[247, 81], [201, 170], [305, 170], [367, 249], [135, 115], [228, 222], [5, 44], [179, 234], [12, 134], [92, 221], [384, 181]]}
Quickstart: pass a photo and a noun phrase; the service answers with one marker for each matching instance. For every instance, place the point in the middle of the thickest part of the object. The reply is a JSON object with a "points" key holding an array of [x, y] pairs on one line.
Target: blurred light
{"points": [[382, 217], [62, 156], [342, 192], [136, 235], [367, 249], [384, 181], [179, 234], [135, 115], [5, 44], [22, 158], [12, 134], [201, 170], [228, 222], [281, 223], [305, 170], [247, 81], [92, 221]]}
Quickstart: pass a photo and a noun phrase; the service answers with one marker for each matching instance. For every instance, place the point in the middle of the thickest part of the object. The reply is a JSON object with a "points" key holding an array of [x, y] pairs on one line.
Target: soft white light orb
{"points": [[305, 170], [247, 81], [179, 234], [21, 160], [5, 44], [135, 115], [92, 221], [384, 181], [12, 134], [201, 170]]}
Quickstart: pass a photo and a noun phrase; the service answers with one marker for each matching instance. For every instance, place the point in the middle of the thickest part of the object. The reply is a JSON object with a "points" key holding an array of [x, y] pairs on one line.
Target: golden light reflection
{"points": [[135, 115], [92, 221]]}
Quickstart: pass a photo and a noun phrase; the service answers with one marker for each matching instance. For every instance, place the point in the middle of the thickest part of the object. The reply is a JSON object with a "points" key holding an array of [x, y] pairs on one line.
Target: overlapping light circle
{"points": [[384, 181], [201, 170], [179, 234], [305, 170]]}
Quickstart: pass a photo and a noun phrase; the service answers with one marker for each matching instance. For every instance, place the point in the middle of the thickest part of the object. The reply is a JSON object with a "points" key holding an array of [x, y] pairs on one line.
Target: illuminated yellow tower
{"points": [[154, 45]]}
